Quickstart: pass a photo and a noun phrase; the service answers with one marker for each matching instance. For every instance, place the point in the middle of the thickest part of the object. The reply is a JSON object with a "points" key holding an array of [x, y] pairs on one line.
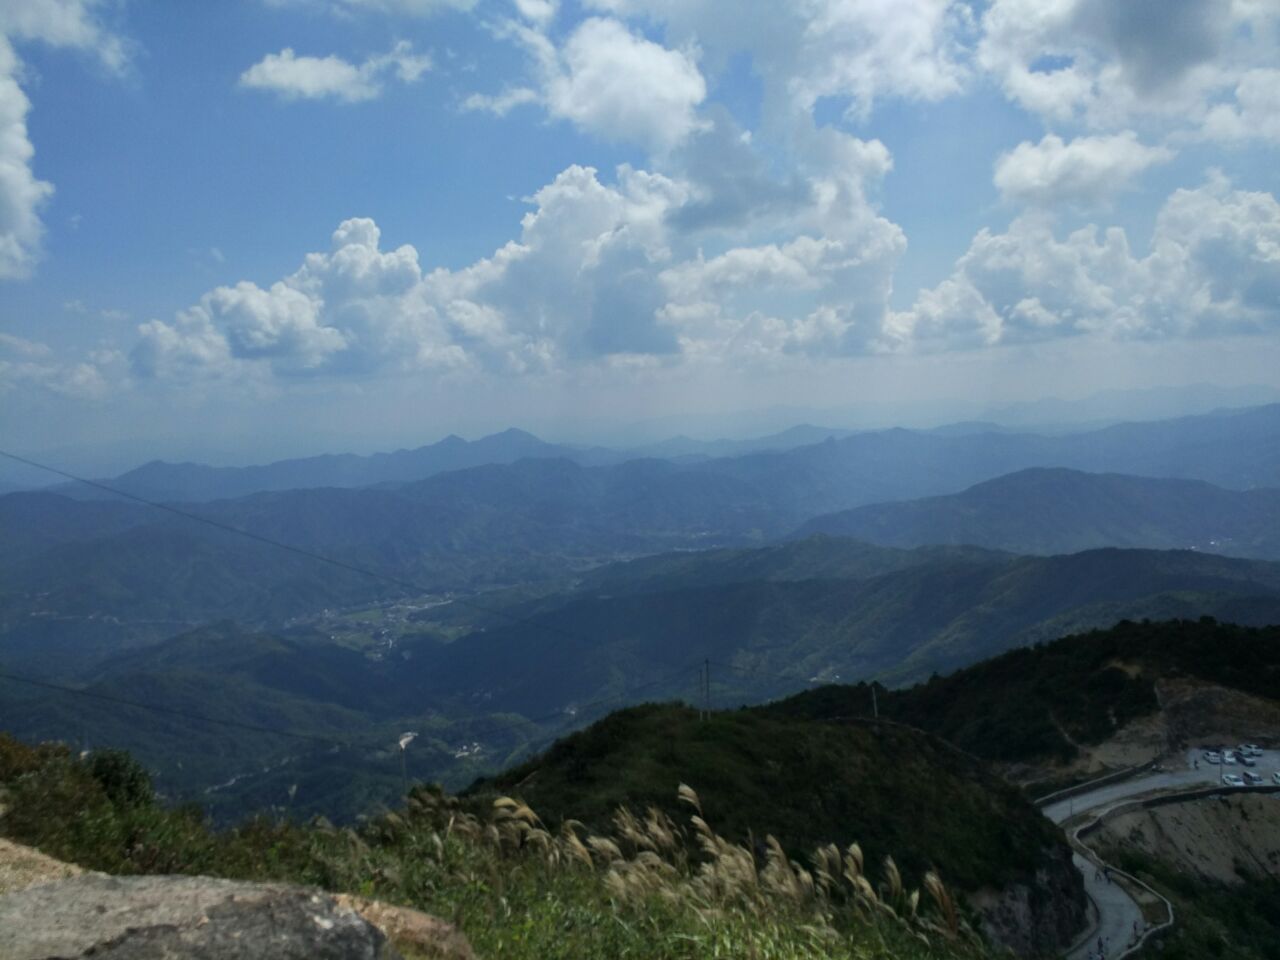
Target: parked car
{"points": [[1276, 776], [1248, 761], [1229, 758], [1211, 757], [1251, 778], [1233, 780]]}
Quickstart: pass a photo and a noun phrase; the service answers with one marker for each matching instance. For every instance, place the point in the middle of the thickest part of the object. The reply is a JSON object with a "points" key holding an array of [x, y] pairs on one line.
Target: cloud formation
{"points": [[1213, 269], [21, 192], [859, 50], [1108, 66], [1255, 115], [407, 8], [57, 23], [292, 77], [606, 80], [1084, 171], [736, 246], [28, 363]]}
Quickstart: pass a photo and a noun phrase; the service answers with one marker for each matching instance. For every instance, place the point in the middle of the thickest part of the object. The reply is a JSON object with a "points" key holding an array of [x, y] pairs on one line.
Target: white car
{"points": [[1229, 758], [1211, 757], [1233, 780], [1252, 779], [1276, 776], [1252, 749]]}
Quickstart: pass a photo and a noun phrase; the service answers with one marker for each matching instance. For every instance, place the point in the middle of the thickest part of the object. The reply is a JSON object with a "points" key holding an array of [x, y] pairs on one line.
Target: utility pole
{"points": [[875, 703], [404, 741]]}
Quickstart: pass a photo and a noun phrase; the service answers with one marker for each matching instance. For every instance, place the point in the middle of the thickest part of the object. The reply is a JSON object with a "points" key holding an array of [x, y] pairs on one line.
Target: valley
{"points": [[1052, 628]]}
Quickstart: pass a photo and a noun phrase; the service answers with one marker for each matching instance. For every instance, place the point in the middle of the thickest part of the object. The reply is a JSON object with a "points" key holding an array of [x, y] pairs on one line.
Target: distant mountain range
{"points": [[540, 518], [195, 482], [159, 480], [1053, 510], [687, 448], [807, 469], [1234, 449]]}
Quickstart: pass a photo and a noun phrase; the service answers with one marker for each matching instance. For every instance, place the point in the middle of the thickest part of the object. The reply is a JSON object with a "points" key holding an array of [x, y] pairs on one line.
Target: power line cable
{"points": [[329, 741], [123, 701], [322, 558], [409, 585]]}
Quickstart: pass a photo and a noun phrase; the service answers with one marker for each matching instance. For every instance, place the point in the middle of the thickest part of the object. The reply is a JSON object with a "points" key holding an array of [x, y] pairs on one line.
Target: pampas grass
{"points": [[649, 863]]}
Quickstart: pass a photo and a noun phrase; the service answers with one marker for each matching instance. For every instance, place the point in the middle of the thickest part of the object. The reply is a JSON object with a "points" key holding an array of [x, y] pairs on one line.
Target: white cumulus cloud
{"points": [[608, 81], [1213, 269], [1255, 114], [1084, 170], [22, 193], [29, 363], [599, 272], [56, 23], [1111, 65], [862, 50], [294, 77], [64, 23], [407, 8], [625, 87]]}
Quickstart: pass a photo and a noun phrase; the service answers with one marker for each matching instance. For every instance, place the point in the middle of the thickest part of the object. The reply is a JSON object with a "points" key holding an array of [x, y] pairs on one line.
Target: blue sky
{"points": [[280, 225]]}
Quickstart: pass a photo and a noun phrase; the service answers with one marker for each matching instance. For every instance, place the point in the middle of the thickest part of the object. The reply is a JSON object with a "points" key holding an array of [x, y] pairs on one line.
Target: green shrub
{"points": [[123, 779], [650, 890]]}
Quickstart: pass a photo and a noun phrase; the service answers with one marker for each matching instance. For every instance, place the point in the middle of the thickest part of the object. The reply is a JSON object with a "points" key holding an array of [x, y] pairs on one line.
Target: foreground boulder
{"points": [[158, 918]]}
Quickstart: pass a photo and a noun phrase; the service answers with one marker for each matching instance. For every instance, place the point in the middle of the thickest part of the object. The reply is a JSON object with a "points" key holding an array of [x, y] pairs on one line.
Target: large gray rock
{"points": [[158, 918]]}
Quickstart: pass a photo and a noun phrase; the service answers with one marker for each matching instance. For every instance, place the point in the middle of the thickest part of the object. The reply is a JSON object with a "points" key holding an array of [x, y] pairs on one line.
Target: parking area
{"points": [[1236, 765]]}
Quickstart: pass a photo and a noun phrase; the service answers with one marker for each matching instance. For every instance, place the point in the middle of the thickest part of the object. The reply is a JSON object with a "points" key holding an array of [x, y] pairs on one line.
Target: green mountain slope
{"points": [[1039, 703], [770, 637], [891, 789], [888, 788]]}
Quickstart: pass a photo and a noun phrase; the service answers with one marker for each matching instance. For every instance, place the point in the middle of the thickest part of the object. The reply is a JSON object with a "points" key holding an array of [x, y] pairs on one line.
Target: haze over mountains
{"points": [[573, 581], [543, 517], [1053, 510], [159, 480], [1232, 448]]}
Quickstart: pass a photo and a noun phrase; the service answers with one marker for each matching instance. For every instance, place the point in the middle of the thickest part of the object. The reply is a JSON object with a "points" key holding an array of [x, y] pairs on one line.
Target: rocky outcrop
{"points": [[158, 918], [1036, 918]]}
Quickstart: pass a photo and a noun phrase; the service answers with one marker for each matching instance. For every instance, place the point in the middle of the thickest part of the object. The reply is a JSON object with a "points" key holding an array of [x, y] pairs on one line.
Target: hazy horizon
{"points": [[1044, 414]]}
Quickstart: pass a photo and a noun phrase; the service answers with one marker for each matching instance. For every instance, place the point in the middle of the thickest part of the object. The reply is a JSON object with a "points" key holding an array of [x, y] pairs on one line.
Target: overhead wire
{"points": [[417, 588], [157, 708], [322, 558]]}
